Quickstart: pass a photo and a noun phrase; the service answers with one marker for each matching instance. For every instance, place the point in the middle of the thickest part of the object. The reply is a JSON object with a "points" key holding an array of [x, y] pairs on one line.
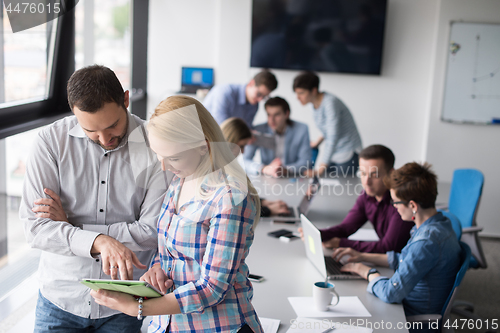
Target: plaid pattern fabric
{"points": [[203, 250]]}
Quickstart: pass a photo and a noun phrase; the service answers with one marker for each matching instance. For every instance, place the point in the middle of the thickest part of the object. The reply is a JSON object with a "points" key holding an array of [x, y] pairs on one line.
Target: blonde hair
{"points": [[185, 120], [235, 130]]}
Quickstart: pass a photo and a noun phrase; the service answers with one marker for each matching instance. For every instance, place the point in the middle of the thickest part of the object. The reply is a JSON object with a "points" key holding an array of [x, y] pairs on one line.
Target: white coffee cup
{"points": [[323, 293]]}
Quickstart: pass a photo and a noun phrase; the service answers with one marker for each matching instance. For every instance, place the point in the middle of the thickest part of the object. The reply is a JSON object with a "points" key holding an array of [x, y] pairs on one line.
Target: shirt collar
{"points": [[78, 132], [242, 97], [386, 199]]}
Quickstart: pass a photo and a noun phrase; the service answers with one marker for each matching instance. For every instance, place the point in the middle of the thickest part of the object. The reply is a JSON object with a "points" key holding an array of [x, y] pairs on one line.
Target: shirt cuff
{"points": [[188, 298], [372, 283], [392, 259], [82, 241]]}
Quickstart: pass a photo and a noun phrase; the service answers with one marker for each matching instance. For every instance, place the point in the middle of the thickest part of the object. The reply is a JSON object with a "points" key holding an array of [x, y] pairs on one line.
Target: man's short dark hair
{"points": [[281, 102], [267, 79], [89, 88], [374, 152], [306, 80]]}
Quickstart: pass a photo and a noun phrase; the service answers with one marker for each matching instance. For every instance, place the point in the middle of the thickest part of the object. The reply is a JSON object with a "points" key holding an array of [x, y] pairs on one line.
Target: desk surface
{"points": [[288, 272]]}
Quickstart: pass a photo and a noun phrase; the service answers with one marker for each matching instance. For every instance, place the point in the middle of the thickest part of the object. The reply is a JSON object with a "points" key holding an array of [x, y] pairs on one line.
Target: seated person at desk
{"points": [[335, 121], [236, 131], [292, 154], [426, 268], [240, 100], [374, 204]]}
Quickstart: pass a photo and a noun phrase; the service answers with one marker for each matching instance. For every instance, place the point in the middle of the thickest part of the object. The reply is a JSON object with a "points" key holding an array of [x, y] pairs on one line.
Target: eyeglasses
{"points": [[398, 202]]}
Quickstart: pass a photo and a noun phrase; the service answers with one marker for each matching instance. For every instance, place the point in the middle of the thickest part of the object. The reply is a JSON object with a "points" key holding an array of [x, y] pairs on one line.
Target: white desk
{"points": [[288, 272]]}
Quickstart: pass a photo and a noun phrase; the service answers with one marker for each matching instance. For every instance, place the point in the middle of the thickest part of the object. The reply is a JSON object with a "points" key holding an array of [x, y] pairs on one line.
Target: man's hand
{"points": [[301, 232], [332, 243], [354, 256], [275, 169], [276, 207], [116, 257], [156, 277], [50, 208]]}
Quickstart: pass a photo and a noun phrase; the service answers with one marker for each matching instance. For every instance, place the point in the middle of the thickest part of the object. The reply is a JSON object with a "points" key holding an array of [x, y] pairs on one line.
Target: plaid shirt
{"points": [[203, 250]]}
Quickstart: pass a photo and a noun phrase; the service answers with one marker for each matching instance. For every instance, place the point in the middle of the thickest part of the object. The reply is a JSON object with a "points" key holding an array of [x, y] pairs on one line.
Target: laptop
{"points": [[326, 265], [303, 207], [194, 78]]}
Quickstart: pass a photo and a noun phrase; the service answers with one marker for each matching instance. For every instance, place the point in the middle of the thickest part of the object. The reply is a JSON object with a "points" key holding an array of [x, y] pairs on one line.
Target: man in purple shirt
{"points": [[240, 100], [373, 205]]}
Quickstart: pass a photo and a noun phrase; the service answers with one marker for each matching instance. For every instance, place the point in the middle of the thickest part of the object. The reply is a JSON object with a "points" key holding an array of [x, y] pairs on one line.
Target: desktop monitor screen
{"points": [[343, 36], [196, 76]]}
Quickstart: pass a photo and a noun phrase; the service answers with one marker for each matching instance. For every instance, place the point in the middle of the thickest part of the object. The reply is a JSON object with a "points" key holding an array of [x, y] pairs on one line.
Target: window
{"points": [[27, 61], [103, 37]]}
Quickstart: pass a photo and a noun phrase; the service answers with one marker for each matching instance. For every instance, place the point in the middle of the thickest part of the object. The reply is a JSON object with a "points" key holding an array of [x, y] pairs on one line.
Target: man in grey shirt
{"points": [[91, 198]]}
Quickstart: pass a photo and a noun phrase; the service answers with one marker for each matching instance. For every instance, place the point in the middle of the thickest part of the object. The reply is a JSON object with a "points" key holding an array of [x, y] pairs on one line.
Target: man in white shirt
{"points": [[90, 202]]}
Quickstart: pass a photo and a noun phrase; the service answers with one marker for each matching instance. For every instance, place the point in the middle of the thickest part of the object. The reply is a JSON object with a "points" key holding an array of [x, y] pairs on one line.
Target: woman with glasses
{"points": [[205, 229], [426, 268]]}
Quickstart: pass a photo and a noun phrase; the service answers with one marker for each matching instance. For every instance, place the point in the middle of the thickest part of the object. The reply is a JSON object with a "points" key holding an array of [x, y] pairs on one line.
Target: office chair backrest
{"points": [[465, 193], [455, 222], [465, 255]]}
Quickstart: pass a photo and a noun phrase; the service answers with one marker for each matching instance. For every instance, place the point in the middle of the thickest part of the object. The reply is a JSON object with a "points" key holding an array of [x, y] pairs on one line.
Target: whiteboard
{"points": [[472, 88]]}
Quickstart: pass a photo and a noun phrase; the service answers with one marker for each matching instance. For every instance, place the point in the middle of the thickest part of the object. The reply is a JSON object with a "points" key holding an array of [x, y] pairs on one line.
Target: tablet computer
{"points": [[136, 288]]}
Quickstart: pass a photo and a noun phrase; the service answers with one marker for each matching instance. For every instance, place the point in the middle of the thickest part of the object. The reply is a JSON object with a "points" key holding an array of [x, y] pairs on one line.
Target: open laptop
{"points": [[326, 265], [304, 205], [194, 78]]}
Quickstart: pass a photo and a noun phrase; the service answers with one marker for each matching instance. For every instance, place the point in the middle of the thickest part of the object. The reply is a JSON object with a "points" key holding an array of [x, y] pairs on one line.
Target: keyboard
{"points": [[333, 269]]}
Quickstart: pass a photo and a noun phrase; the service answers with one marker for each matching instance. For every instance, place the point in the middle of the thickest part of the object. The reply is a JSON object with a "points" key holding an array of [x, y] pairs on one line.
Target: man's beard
{"points": [[118, 138]]}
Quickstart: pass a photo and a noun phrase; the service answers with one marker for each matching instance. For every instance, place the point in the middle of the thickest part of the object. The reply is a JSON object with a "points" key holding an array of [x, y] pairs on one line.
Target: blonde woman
{"points": [[236, 131], [205, 229]]}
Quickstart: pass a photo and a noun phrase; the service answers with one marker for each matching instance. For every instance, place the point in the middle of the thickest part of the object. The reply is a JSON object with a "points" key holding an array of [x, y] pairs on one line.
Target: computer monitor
{"points": [[194, 78]]}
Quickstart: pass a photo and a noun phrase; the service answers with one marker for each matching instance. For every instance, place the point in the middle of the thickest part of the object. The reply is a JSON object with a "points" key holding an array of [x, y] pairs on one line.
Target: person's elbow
{"points": [[388, 291], [214, 292]]}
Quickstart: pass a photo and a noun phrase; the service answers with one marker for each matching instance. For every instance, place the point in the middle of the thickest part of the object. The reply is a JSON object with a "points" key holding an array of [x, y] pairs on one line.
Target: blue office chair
{"points": [[444, 316], [455, 222], [465, 194], [314, 156]]}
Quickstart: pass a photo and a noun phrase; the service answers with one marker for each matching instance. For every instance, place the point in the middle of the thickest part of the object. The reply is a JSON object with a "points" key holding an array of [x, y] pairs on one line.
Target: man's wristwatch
{"points": [[371, 271]]}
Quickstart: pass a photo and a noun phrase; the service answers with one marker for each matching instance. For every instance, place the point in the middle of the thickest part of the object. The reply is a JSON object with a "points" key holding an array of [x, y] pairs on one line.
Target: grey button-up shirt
{"points": [[116, 193]]}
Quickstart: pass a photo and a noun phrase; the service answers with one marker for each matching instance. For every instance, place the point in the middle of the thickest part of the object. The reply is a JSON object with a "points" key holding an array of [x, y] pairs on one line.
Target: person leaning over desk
{"points": [[426, 268], [293, 152], [236, 131], [87, 207], [240, 100], [374, 205], [205, 229], [342, 142]]}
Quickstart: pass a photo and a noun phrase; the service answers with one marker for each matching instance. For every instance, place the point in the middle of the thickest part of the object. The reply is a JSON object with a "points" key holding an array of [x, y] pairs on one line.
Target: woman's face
{"points": [[402, 206], [242, 143], [176, 157]]}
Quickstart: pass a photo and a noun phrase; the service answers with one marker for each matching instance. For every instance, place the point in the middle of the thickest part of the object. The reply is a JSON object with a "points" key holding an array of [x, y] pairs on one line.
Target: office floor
{"points": [[482, 286]]}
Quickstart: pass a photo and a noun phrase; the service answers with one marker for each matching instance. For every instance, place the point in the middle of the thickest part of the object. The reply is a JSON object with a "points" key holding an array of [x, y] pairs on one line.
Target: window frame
{"points": [[27, 115]]}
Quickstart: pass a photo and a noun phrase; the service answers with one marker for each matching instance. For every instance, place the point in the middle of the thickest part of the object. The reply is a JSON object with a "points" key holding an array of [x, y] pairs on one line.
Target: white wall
{"points": [[399, 109], [452, 146], [217, 33]]}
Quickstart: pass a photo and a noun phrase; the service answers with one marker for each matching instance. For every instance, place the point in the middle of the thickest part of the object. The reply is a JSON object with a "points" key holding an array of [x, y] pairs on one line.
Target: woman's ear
{"points": [[413, 205]]}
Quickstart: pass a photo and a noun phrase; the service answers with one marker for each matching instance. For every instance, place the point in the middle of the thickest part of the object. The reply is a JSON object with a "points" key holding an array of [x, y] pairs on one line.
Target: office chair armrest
{"points": [[423, 318], [471, 230]]}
